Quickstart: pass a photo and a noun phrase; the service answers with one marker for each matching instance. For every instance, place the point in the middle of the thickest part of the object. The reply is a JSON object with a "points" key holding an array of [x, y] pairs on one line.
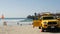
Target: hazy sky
{"points": [[22, 8]]}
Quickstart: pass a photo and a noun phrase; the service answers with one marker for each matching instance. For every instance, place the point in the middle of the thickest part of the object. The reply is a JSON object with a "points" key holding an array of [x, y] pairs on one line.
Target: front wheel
{"points": [[44, 30]]}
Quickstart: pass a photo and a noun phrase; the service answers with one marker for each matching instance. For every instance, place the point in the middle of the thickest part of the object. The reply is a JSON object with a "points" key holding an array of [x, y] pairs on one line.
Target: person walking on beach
{"points": [[4, 22], [17, 23]]}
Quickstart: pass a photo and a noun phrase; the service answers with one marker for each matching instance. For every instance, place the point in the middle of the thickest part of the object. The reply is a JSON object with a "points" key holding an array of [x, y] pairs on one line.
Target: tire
{"points": [[44, 30], [58, 29], [39, 27]]}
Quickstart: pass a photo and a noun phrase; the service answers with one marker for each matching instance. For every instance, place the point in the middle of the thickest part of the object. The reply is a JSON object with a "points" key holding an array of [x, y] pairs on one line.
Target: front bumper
{"points": [[52, 28]]}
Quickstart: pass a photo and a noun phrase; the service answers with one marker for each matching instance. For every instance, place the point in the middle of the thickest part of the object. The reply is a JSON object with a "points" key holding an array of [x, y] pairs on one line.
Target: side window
{"points": [[41, 18]]}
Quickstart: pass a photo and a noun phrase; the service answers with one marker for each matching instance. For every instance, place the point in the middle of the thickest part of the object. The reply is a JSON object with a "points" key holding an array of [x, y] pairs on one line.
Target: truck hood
{"points": [[50, 20]]}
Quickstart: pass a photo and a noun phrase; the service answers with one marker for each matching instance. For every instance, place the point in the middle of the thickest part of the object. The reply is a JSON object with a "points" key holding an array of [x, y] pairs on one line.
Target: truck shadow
{"points": [[54, 32]]}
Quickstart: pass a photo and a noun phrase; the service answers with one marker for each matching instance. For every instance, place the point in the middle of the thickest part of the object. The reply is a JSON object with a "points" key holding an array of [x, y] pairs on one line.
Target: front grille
{"points": [[51, 23]]}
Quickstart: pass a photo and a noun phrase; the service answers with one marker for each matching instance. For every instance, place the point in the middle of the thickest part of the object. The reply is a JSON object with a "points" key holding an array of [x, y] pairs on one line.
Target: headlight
{"points": [[45, 23]]}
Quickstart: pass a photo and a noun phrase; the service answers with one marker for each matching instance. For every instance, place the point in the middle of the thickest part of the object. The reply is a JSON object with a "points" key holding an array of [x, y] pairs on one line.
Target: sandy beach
{"points": [[24, 29]]}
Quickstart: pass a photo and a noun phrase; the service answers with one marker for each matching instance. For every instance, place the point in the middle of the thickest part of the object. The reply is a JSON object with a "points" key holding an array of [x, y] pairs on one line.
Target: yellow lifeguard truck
{"points": [[47, 22]]}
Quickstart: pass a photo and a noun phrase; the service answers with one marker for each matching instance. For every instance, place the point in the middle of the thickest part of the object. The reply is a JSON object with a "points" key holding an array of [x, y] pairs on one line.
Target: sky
{"points": [[23, 8]]}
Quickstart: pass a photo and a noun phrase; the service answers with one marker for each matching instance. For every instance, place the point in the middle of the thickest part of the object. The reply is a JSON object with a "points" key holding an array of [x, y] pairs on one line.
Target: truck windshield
{"points": [[48, 18]]}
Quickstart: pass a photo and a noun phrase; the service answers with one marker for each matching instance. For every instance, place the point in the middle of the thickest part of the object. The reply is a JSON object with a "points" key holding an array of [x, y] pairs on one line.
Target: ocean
{"points": [[15, 21]]}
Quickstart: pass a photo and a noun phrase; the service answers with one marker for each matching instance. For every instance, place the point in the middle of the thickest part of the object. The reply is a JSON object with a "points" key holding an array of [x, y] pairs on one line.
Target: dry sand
{"points": [[24, 29]]}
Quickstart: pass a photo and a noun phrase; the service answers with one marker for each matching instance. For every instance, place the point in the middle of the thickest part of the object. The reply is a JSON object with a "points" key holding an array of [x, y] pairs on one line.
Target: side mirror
{"points": [[40, 19]]}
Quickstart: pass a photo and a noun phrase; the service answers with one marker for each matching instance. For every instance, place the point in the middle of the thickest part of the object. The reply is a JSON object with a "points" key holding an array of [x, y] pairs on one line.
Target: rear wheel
{"points": [[39, 27]]}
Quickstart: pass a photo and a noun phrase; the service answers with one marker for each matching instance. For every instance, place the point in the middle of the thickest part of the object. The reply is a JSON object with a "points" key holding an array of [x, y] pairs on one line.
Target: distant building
{"points": [[58, 15], [40, 14]]}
